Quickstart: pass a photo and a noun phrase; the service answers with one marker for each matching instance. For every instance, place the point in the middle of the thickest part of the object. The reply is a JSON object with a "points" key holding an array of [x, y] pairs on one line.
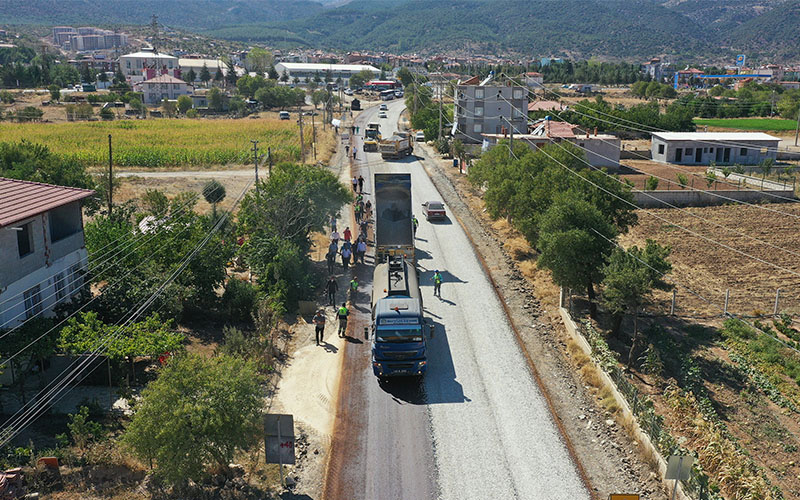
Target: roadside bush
{"points": [[239, 300], [442, 146]]}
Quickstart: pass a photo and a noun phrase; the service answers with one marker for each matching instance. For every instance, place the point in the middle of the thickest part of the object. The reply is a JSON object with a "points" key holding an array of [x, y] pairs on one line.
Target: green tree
{"points": [[272, 73], [55, 92], [82, 429], [214, 193], [219, 76], [575, 240], [292, 203], [683, 181], [190, 76], [169, 108], [216, 100], [629, 277], [205, 75], [711, 178], [765, 167], [198, 413], [184, 103], [405, 76], [651, 184], [35, 162], [360, 78], [106, 114], [258, 60], [285, 76]]}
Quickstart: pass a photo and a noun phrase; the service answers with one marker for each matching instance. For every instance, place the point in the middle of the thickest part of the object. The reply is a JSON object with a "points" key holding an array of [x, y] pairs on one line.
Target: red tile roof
{"points": [[22, 199], [544, 106], [164, 79]]}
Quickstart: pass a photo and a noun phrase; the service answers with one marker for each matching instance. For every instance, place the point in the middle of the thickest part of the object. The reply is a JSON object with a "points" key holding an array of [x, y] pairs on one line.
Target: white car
{"points": [[384, 107], [382, 114], [419, 136]]}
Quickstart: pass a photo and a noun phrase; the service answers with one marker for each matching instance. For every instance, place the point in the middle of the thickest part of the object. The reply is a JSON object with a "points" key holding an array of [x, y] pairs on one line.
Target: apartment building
{"points": [[490, 109]]}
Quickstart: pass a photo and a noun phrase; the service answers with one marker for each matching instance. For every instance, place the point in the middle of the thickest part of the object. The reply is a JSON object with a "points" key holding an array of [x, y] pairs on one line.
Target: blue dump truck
{"points": [[399, 344]]}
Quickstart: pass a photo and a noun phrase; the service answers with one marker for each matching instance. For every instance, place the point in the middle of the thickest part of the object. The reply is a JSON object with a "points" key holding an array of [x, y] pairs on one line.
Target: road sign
{"points": [[279, 439], [678, 467], [622, 496], [740, 59]]}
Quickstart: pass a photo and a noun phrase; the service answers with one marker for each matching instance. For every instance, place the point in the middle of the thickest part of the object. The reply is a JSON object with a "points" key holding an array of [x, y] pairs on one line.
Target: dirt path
{"points": [[608, 456]]}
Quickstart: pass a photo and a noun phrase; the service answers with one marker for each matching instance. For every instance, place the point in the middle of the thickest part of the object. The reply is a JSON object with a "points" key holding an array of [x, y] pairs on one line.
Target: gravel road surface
{"points": [[479, 427]]}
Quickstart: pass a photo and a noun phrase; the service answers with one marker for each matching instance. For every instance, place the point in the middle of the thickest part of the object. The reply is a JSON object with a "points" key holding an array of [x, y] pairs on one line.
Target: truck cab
{"points": [[399, 344], [372, 136]]}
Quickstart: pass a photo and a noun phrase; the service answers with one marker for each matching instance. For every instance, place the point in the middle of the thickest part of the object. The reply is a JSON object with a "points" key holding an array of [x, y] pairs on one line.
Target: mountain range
{"points": [[614, 29]]}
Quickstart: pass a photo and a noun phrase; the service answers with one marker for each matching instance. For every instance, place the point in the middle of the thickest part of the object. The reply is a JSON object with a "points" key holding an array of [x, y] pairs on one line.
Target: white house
{"points": [[42, 252], [306, 71], [162, 87], [702, 148]]}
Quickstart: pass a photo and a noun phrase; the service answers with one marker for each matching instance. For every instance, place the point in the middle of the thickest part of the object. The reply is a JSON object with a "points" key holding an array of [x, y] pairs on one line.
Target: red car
{"points": [[434, 210]]}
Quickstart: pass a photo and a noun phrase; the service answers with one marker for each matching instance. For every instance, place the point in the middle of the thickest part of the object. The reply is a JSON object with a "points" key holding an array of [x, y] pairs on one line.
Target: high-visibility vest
{"points": [[342, 312]]}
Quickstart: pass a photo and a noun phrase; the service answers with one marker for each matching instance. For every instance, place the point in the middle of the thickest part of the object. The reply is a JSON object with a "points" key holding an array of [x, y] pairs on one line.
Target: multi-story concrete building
{"points": [[162, 87], [702, 148], [42, 252], [146, 64], [88, 38], [484, 109]]}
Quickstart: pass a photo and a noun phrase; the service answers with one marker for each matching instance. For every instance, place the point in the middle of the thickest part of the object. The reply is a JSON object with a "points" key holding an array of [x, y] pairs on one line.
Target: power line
{"points": [[31, 414]]}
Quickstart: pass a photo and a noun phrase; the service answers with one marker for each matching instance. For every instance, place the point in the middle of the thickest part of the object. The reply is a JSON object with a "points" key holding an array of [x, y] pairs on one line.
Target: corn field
{"points": [[162, 143]]}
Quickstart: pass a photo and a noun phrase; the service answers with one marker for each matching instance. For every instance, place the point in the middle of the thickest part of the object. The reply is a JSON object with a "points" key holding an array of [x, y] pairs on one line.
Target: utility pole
{"points": [[269, 158], [772, 104], [110, 176], [302, 144], [313, 136], [255, 161], [797, 130], [440, 108]]}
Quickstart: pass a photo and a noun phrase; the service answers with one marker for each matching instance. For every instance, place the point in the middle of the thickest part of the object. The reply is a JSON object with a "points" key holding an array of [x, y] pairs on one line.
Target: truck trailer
{"points": [[394, 231], [396, 146]]}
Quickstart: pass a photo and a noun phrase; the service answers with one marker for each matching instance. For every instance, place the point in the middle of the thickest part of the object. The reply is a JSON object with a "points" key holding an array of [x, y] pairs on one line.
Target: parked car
{"points": [[419, 136], [382, 114], [398, 93], [434, 210], [283, 115], [384, 107], [348, 91]]}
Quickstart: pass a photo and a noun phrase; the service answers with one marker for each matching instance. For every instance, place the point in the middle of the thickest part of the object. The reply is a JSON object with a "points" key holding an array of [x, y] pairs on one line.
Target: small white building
{"points": [[702, 148], [196, 64], [42, 253], [162, 87], [306, 71]]}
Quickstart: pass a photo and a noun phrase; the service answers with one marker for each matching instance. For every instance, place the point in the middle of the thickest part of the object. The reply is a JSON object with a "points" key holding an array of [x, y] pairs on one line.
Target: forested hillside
{"points": [[621, 29]]}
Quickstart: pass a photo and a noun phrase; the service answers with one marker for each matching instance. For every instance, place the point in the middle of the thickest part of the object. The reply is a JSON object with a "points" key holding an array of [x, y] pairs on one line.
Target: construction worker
{"points": [[415, 223], [319, 325], [331, 287], [437, 283], [353, 289], [342, 313]]}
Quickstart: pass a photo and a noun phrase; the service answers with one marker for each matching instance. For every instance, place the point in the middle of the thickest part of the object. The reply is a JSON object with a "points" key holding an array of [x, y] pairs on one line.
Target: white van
{"points": [[283, 115]]}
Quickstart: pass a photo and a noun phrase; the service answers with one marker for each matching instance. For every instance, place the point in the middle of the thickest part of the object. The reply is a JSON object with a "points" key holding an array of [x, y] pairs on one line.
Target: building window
{"points": [[661, 149], [477, 128], [517, 93], [33, 302], [75, 277], [25, 240], [743, 152], [61, 287], [64, 222], [479, 93], [479, 111], [688, 151]]}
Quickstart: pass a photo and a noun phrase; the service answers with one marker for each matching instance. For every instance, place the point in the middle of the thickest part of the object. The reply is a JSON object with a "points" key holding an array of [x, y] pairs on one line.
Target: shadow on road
{"points": [[440, 381]]}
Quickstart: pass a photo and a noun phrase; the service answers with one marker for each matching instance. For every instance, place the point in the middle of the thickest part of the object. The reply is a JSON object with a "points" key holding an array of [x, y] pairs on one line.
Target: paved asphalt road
{"points": [[478, 427]]}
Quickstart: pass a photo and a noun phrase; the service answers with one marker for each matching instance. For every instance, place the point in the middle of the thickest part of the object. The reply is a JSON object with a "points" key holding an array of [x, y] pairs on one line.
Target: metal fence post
{"points": [[777, 301], [672, 305], [727, 297]]}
